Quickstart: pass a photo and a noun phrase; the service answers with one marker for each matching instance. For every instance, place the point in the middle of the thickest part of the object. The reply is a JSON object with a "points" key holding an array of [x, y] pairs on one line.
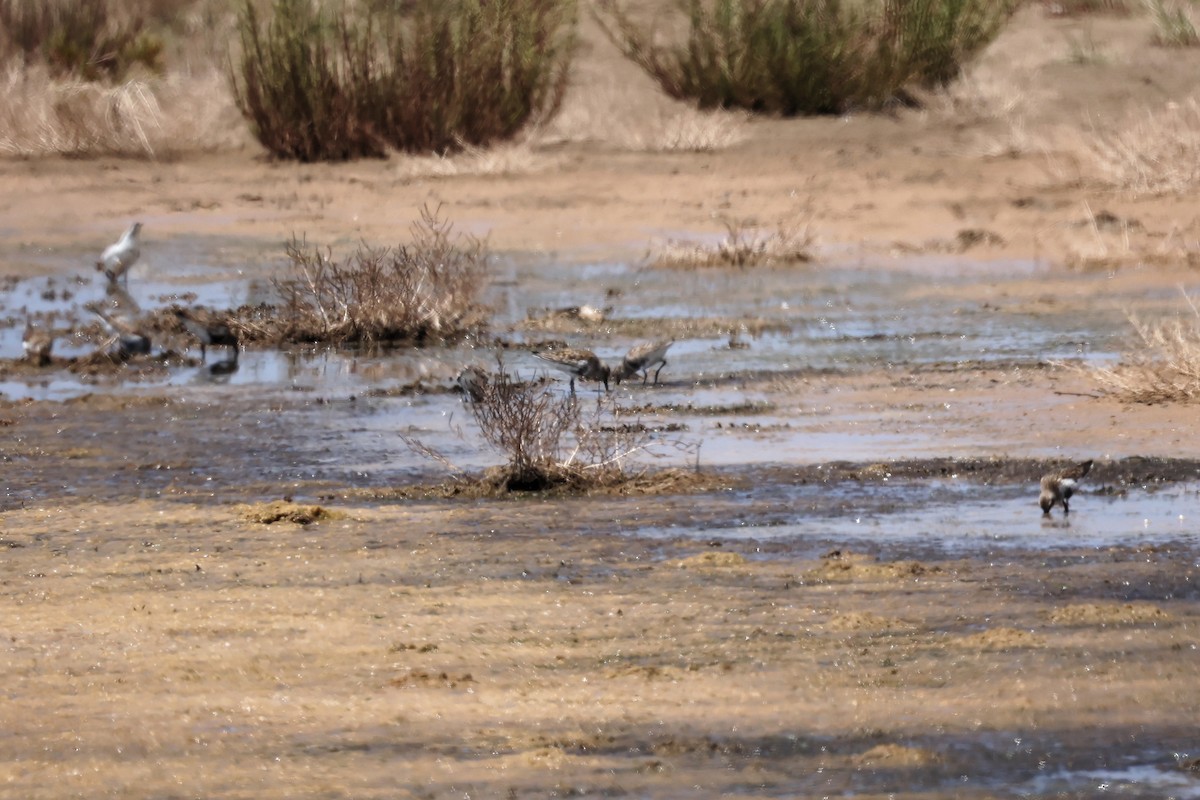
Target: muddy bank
{"points": [[412, 651]]}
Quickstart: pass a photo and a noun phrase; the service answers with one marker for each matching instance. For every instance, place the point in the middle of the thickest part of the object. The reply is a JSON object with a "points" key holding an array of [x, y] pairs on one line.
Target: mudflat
{"points": [[214, 592]]}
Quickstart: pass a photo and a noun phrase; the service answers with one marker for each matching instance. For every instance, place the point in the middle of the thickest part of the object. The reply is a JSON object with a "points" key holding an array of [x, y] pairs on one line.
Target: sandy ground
{"points": [[158, 648]]}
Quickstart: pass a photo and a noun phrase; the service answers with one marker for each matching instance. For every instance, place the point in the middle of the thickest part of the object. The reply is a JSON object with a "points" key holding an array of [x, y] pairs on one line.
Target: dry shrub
{"points": [[550, 441], [426, 290], [155, 118], [87, 39], [809, 56], [1165, 366], [743, 246], [333, 83], [1156, 152]]}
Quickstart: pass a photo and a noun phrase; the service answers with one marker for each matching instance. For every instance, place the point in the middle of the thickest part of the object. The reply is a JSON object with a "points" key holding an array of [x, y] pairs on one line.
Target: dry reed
{"points": [[157, 117], [1165, 366]]}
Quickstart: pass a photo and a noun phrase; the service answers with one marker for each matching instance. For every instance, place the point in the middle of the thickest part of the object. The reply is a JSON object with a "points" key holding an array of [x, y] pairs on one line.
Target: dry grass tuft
{"points": [[1165, 366], [1157, 152], [284, 511], [1173, 24], [153, 118], [507, 158], [743, 246]]}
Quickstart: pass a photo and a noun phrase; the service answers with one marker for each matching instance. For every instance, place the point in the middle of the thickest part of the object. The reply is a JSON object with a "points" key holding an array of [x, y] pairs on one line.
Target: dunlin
{"points": [[577, 363], [473, 383], [121, 255], [209, 332], [641, 358], [130, 341], [37, 343], [1057, 487]]}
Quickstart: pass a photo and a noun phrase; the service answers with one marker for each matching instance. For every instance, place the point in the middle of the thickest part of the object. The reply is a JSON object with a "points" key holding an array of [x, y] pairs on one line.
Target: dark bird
{"points": [[118, 257], [641, 358], [124, 329], [209, 332], [1057, 487], [577, 363], [37, 343]]}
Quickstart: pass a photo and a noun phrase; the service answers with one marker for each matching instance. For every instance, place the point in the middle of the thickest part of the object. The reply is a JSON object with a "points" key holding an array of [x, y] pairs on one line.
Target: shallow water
{"points": [[340, 417]]}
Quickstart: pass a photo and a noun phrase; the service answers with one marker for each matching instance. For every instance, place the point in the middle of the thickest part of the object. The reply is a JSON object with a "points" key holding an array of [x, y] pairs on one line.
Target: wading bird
{"points": [[209, 332], [118, 257], [37, 343], [641, 358], [577, 363], [125, 331], [1057, 487]]}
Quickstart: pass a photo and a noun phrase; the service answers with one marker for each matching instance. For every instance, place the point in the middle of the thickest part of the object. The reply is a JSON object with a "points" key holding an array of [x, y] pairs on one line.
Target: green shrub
{"points": [[319, 85], [809, 56], [83, 38]]}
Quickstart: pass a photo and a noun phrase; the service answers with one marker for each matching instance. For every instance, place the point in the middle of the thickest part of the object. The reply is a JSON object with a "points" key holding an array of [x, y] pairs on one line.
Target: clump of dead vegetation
{"points": [[113, 77], [1155, 152], [423, 291], [743, 245], [284, 511], [1165, 364], [550, 442]]}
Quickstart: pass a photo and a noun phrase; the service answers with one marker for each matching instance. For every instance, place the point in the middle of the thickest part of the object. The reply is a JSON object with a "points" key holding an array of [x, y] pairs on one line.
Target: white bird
{"points": [[1057, 487], [577, 363], [641, 358], [121, 255]]}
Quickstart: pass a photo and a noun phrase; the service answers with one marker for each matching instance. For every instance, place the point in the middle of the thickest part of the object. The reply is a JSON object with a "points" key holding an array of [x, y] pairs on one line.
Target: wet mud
{"points": [[830, 577]]}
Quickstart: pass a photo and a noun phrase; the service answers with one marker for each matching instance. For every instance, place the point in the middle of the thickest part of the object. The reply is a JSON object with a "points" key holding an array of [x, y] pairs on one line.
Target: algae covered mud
{"points": [[863, 598]]}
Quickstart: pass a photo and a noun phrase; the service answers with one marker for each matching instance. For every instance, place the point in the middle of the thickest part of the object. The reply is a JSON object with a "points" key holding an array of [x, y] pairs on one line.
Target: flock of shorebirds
{"points": [[123, 318]]}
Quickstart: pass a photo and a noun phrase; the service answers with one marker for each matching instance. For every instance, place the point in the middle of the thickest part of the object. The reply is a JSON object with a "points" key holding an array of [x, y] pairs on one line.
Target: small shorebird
{"points": [[210, 332], [473, 383], [577, 363], [130, 341], [121, 255], [37, 343], [1057, 487], [641, 358]]}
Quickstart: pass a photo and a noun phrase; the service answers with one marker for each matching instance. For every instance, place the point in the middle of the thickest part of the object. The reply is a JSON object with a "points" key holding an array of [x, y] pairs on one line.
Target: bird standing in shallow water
{"points": [[118, 257], [641, 358], [577, 363], [210, 332], [130, 340], [37, 343], [1057, 487]]}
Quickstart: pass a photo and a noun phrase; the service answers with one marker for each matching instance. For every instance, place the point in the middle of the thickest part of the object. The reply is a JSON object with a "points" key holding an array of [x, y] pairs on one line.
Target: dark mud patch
{"points": [[1135, 471], [496, 484]]}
